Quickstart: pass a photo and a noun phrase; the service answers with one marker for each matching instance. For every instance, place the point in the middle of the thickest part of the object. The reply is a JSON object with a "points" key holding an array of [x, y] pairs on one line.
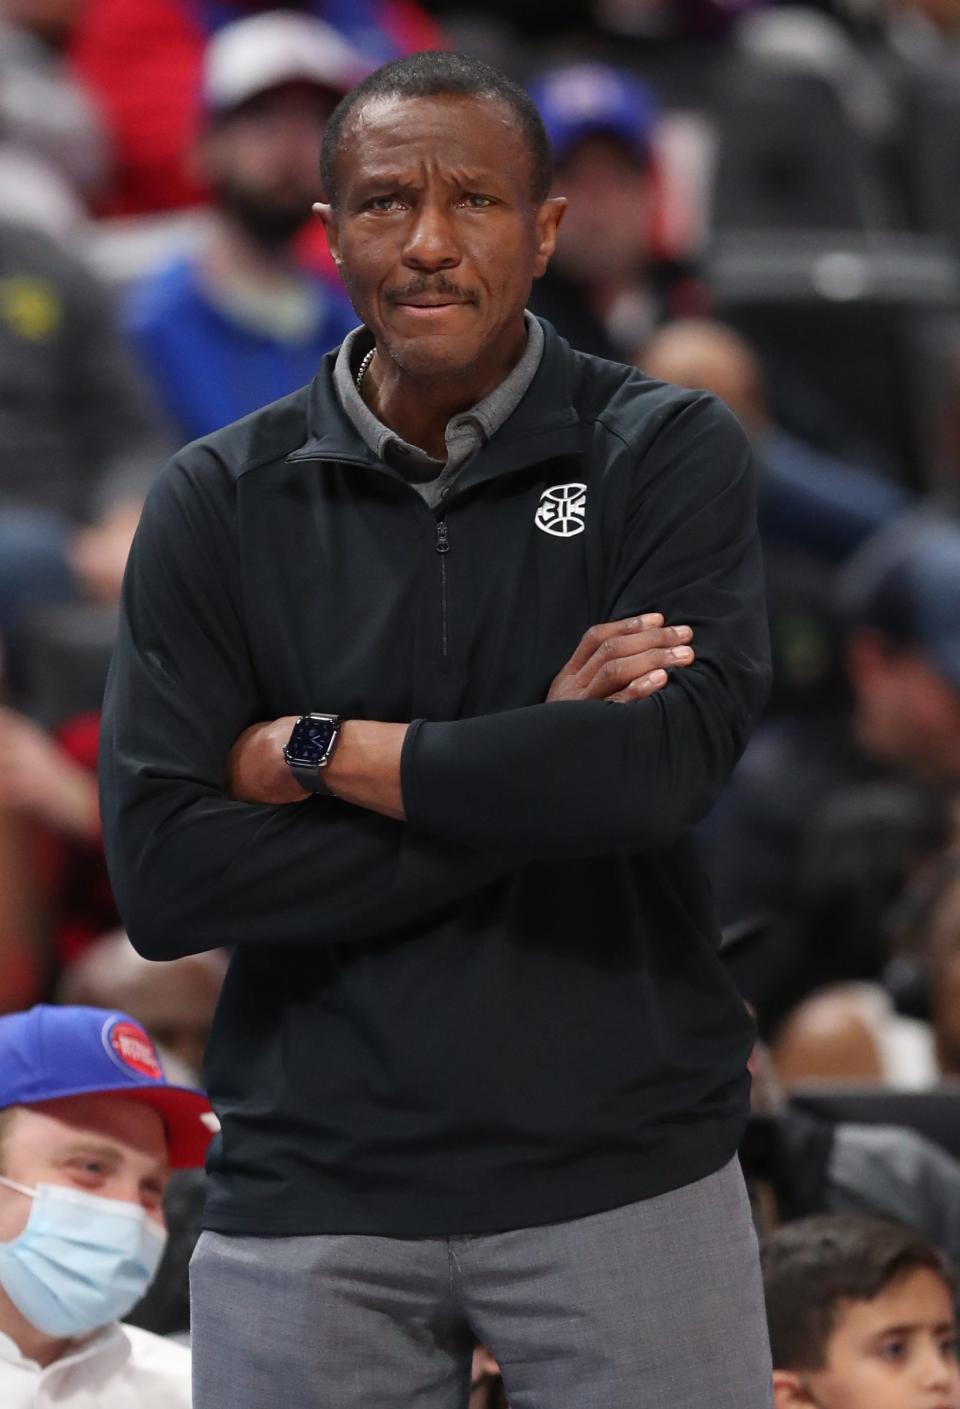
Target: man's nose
{"points": [[432, 243]]}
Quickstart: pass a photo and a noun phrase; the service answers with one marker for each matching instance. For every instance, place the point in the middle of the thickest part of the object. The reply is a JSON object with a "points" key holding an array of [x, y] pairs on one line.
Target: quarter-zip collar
{"points": [[465, 432], [543, 425]]}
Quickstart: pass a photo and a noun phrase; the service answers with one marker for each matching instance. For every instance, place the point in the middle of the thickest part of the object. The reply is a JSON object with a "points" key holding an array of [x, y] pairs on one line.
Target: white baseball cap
{"points": [[266, 51]]}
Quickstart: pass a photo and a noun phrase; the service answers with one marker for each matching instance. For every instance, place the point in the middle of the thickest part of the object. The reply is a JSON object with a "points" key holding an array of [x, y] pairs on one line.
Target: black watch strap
{"points": [[311, 779]]}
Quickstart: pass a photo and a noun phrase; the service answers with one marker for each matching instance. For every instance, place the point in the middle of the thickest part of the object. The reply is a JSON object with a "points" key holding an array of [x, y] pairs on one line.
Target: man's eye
{"points": [[475, 200], [948, 1347], [384, 203]]}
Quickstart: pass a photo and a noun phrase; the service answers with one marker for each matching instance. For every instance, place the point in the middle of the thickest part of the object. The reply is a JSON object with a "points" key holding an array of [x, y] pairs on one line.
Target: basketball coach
{"points": [[425, 672]]}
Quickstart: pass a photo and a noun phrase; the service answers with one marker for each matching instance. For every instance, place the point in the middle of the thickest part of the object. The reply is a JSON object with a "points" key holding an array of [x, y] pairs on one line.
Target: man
{"points": [[902, 598], [900, 605], [89, 1131], [609, 286], [809, 502], [239, 323], [481, 1073]]}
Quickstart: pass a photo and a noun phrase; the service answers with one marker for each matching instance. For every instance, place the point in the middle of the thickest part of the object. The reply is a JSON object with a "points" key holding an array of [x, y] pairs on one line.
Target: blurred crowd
{"points": [[763, 202]]}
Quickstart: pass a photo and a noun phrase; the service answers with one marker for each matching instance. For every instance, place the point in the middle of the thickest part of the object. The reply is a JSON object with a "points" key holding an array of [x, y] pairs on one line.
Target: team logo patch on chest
{"points": [[562, 510]]}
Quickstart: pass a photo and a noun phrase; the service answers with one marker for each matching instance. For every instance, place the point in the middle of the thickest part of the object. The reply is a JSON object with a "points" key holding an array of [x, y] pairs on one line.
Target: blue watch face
{"points": [[310, 740]]}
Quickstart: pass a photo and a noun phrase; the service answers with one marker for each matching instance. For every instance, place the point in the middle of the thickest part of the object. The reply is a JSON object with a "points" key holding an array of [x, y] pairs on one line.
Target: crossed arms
{"points": [[618, 661], [194, 865]]}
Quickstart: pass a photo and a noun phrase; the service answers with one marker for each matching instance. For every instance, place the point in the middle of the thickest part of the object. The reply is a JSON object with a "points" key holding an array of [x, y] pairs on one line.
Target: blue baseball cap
{"points": [[905, 582], [49, 1053], [580, 100]]}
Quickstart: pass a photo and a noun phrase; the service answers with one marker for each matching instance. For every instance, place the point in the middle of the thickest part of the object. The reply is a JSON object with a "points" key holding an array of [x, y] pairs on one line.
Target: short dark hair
{"points": [[436, 73], [814, 1265]]}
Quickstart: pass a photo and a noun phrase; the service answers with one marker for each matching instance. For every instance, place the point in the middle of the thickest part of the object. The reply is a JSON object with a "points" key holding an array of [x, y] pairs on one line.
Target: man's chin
{"points": [[433, 355]]}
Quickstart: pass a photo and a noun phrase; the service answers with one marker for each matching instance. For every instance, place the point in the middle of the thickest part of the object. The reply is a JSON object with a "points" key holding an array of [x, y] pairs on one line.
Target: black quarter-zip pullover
{"points": [[508, 1010]]}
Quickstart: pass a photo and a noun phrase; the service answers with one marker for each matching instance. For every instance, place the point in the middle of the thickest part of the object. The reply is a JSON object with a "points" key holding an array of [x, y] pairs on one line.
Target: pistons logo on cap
{"points": [[131, 1049]]}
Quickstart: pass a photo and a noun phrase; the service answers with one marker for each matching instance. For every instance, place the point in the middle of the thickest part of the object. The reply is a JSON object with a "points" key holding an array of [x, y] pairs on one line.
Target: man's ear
{"points": [[326, 215], [789, 1391], [549, 215]]}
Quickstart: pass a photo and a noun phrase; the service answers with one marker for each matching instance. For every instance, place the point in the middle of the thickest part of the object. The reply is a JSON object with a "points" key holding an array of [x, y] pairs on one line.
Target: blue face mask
{"points": [[81, 1261]]}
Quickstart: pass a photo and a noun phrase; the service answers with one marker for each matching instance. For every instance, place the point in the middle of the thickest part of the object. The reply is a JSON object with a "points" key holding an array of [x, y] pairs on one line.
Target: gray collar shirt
{"points": [[465, 433]]}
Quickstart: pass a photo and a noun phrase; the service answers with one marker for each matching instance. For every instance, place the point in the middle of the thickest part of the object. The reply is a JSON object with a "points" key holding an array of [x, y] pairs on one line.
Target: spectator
{"points": [[78, 439], [90, 1131], [606, 288], [902, 594], [861, 1316], [901, 608], [142, 60], [808, 500], [238, 324], [813, 509]]}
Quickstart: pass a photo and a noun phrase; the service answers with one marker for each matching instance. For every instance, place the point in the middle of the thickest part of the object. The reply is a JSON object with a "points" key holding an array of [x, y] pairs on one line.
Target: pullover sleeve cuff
{"points": [[410, 777]]}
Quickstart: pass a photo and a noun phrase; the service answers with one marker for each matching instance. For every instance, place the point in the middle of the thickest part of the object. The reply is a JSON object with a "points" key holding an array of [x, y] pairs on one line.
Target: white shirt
{"points": [[119, 1367]]}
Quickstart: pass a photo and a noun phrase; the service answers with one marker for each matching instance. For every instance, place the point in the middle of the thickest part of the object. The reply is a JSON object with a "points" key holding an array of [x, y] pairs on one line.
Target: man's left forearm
{"points": [[364, 769], [623, 660]]}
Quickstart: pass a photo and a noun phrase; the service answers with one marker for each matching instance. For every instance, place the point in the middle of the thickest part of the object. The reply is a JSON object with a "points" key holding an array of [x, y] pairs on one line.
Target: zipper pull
{"points": [[442, 545]]}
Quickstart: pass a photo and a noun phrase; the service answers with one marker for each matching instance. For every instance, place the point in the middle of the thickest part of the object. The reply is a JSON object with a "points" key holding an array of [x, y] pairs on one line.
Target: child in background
{"points": [[861, 1316]]}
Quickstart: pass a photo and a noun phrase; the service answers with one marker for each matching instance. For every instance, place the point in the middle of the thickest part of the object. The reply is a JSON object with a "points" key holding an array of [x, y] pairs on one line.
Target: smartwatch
{"points": [[310, 748]]}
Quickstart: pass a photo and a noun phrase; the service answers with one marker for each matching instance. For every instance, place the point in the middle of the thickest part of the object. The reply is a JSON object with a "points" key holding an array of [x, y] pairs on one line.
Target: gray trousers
{"points": [[656, 1305]]}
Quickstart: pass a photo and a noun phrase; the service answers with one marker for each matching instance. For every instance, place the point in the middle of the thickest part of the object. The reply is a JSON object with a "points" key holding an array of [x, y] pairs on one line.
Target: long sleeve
{"points": [[191, 868], [586, 778]]}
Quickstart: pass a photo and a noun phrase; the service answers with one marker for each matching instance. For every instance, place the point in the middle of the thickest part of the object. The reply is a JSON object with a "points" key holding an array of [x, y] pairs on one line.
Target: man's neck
{"points": [[418, 410], [33, 1344]]}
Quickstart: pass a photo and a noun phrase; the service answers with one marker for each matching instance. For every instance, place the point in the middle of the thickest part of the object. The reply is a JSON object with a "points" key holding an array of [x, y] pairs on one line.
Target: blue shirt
{"points": [[207, 368]]}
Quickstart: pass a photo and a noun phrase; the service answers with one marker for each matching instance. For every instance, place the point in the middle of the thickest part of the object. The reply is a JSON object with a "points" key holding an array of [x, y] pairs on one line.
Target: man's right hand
{"points": [[623, 660]]}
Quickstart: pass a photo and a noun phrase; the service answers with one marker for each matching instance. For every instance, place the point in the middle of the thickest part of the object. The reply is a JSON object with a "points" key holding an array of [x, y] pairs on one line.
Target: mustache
{"points": [[438, 287]]}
